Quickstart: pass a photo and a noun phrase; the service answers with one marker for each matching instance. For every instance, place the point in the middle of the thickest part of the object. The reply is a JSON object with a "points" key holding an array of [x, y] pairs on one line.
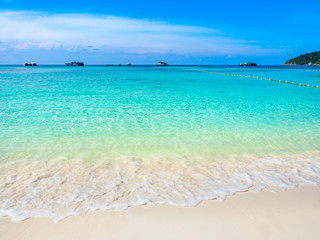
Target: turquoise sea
{"points": [[74, 139]]}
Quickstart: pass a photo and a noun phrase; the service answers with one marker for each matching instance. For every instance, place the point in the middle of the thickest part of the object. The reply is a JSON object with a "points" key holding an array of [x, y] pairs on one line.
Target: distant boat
{"points": [[30, 64], [129, 64], [162, 63], [310, 64], [75, 64], [247, 64]]}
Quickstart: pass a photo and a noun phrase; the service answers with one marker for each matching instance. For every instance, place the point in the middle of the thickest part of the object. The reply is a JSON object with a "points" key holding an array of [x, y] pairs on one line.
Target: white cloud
{"points": [[27, 30]]}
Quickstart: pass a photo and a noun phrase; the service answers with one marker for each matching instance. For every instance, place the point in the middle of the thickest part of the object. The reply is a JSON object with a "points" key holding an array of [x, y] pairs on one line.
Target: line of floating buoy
{"points": [[262, 78]]}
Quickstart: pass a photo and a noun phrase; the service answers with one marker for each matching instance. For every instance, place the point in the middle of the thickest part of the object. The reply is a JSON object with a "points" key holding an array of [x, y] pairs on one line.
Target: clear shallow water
{"points": [[74, 139]]}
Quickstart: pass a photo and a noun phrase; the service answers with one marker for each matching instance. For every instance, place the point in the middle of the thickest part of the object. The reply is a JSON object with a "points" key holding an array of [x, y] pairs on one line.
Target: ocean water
{"points": [[74, 139]]}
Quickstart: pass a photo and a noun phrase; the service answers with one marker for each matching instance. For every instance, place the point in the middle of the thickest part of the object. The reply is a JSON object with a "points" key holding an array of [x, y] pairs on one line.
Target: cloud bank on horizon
{"points": [[25, 30]]}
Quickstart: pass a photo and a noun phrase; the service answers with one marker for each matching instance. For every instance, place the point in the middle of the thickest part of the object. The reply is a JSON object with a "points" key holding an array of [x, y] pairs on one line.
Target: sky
{"points": [[144, 32]]}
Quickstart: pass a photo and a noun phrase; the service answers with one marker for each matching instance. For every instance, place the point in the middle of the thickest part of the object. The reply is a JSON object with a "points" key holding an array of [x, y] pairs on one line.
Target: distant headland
{"points": [[305, 59]]}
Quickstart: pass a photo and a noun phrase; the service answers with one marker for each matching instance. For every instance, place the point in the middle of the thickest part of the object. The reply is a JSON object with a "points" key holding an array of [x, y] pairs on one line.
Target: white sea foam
{"points": [[60, 188]]}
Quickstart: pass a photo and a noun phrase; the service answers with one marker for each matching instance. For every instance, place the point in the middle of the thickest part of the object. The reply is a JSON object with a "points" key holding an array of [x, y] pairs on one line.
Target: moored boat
{"points": [[249, 64], [30, 64], [162, 63], [75, 64]]}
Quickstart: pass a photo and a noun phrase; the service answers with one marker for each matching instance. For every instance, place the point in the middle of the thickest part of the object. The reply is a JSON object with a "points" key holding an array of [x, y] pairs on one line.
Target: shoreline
{"points": [[63, 188], [290, 214]]}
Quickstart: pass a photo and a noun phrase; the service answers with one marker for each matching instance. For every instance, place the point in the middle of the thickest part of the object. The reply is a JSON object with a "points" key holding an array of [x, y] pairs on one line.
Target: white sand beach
{"points": [[291, 214]]}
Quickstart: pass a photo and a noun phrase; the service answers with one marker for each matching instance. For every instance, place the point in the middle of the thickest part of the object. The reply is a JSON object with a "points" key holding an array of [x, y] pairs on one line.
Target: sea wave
{"points": [[63, 187]]}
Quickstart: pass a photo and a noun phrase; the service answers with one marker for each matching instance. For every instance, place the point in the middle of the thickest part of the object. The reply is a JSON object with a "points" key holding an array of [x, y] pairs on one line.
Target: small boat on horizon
{"points": [[75, 63], [162, 63], [30, 64], [249, 64]]}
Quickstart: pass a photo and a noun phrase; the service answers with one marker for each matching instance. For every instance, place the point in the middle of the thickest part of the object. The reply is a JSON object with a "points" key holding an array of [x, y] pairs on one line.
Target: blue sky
{"points": [[143, 32]]}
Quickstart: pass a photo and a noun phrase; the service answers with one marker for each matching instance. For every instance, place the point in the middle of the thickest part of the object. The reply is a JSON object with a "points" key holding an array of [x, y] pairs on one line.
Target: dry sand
{"points": [[292, 214]]}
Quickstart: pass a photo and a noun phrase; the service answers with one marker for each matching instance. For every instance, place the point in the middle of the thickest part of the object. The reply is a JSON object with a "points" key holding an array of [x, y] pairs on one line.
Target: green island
{"points": [[305, 59]]}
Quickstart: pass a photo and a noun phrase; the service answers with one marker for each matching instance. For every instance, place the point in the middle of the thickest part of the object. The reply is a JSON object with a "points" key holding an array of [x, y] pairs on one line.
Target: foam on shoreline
{"points": [[61, 187]]}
